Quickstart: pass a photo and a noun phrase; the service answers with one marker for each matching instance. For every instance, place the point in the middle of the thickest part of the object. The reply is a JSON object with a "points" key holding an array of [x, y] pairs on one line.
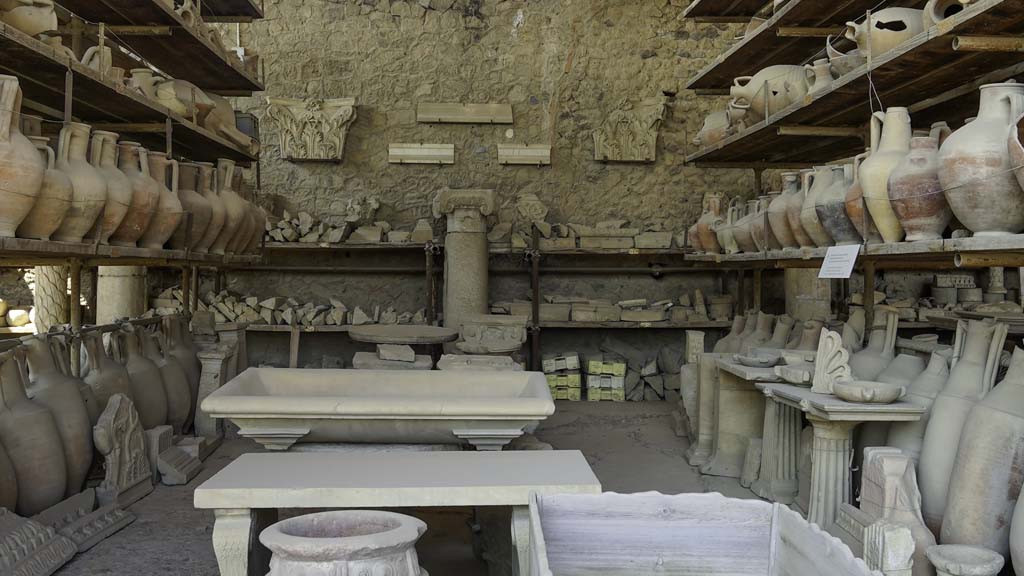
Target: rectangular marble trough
{"points": [[279, 407], [682, 535]]}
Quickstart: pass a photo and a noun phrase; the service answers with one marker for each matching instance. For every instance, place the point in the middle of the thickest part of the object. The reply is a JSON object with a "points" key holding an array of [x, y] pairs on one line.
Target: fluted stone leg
{"points": [[830, 469], [762, 487], [213, 361], [700, 448], [739, 417], [784, 484]]}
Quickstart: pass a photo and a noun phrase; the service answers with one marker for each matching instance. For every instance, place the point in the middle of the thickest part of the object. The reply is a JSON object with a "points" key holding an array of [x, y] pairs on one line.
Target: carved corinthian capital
{"points": [[312, 130]]}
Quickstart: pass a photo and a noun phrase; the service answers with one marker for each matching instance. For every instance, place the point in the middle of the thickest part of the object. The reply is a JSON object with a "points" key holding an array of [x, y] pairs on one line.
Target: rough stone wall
{"points": [[562, 64]]}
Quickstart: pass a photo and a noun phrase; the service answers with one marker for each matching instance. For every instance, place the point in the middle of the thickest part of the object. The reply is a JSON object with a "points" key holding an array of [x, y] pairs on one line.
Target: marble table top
{"points": [[403, 334], [831, 408], [746, 372]]}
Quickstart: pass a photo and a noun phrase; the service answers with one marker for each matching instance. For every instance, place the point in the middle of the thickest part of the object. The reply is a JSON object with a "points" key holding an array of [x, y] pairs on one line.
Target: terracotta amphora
{"points": [[915, 191], [261, 229], [777, 211], [54, 198], [821, 180], [741, 231], [716, 128], [147, 384], [783, 330], [8, 481], [830, 206], [21, 168], [749, 327], [193, 227], [207, 186], [939, 10], [105, 376], [986, 478], [822, 72], [176, 385], [806, 339], [904, 369], [889, 27], [33, 18], [61, 395], [795, 209], [856, 209], [976, 162], [760, 228], [890, 144], [61, 348], [119, 188], [705, 225], [248, 226], [178, 344], [730, 342], [909, 436], [876, 356], [761, 334], [693, 240], [785, 85], [90, 188], [235, 208], [976, 352], [134, 163], [30, 438], [168, 213], [1017, 538], [723, 228]]}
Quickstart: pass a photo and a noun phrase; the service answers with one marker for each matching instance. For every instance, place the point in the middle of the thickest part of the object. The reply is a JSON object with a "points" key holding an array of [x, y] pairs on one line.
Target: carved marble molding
{"points": [[831, 364], [409, 153], [524, 154], [27, 547], [630, 132], [119, 438], [312, 130], [456, 113]]}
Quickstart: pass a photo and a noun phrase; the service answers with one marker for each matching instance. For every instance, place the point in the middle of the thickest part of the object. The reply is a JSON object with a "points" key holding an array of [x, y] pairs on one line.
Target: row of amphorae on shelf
{"points": [[47, 414], [96, 188], [911, 183]]}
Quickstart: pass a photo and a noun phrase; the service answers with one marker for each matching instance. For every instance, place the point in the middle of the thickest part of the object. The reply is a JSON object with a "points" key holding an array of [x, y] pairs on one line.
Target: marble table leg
{"points": [[700, 447], [521, 538], [762, 486], [830, 469], [236, 542], [739, 416], [784, 484]]}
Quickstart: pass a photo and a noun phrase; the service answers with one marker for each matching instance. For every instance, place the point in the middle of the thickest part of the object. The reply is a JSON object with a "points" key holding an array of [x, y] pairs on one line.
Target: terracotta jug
{"points": [[723, 228], [176, 385], [30, 438], [904, 369], [147, 384], [915, 191], [761, 334], [777, 211], [61, 395], [105, 376], [194, 204], [168, 213], [986, 478], [54, 198], [975, 165], [207, 186], [876, 356], [21, 168], [730, 342], [235, 209], [822, 72], [693, 240], [939, 10], [8, 481], [856, 209], [888, 28], [119, 188], [830, 206], [975, 363], [890, 144], [90, 189], [134, 163], [716, 128], [760, 231], [795, 208], [712, 216], [178, 344], [741, 231], [61, 350], [909, 436], [784, 84], [821, 180]]}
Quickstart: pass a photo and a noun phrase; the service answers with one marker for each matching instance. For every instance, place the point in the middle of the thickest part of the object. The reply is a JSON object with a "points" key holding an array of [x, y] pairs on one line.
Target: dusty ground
{"points": [[630, 446]]}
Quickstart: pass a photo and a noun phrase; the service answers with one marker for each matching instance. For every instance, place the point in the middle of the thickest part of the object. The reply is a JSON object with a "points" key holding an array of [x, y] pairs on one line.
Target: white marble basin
{"points": [[279, 407]]}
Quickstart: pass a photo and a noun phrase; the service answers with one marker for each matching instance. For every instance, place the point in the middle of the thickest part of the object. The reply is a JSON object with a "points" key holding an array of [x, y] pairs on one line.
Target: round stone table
{"points": [[402, 334]]}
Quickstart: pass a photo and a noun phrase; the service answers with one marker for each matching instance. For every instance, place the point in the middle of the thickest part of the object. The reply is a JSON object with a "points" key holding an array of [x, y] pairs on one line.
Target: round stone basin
{"points": [[349, 541], [959, 560]]}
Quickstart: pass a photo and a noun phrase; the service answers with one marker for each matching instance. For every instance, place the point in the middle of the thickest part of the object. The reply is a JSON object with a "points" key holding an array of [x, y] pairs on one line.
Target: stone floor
{"points": [[630, 446]]}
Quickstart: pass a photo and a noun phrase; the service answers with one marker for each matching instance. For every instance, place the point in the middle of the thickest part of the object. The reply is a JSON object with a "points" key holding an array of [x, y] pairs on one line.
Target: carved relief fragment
{"points": [[630, 132], [312, 130]]}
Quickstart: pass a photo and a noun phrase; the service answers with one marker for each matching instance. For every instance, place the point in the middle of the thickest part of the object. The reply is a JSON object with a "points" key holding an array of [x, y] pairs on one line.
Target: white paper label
{"points": [[839, 261]]}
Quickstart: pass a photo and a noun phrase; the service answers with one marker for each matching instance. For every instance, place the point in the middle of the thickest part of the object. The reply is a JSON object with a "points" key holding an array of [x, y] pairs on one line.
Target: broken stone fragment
{"points": [[396, 352], [423, 232], [360, 318], [366, 235]]}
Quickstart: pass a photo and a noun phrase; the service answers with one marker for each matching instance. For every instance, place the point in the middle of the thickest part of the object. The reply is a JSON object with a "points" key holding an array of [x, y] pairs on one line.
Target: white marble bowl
{"points": [[865, 392]]}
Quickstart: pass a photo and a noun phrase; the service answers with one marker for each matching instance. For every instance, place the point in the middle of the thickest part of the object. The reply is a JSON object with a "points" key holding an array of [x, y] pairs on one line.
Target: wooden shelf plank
{"points": [[25, 252], [721, 9], [764, 47], [186, 54], [232, 10], [42, 69], [924, 66], [638, 325], [342, 246]]}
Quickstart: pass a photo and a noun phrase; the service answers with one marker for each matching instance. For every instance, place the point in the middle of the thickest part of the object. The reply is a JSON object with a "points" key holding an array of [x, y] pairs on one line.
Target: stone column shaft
{"points": [[465, 251], [120, 292], [769, 454], [830, 470], [784, 485]]}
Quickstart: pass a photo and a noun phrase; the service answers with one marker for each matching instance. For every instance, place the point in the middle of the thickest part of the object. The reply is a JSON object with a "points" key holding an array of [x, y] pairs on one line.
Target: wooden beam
{"points": [[988, 44], [822, 131], [711, 91], [132, 127], [808, 32], [722, 19], [755, 165]]}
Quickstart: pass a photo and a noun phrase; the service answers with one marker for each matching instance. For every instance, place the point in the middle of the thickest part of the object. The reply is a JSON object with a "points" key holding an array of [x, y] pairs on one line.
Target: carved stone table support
{"points": [[465, 247], [213, 358], [780, 451], [234, 334], [236, 541], [739, 417], [830, 472], [704, 423]]}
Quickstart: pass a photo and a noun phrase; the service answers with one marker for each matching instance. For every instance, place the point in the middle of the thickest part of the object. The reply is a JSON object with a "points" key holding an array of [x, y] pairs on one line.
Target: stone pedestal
{"points": [[465, 247], [701, 443], [233, 334], [214, 360], [830, 469], [780, 451], [120, 292], [739, 417]]}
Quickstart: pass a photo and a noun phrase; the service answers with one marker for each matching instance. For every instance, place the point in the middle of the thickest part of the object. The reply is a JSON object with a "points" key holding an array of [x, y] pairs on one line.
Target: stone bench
{"points": [[246, 495]]}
